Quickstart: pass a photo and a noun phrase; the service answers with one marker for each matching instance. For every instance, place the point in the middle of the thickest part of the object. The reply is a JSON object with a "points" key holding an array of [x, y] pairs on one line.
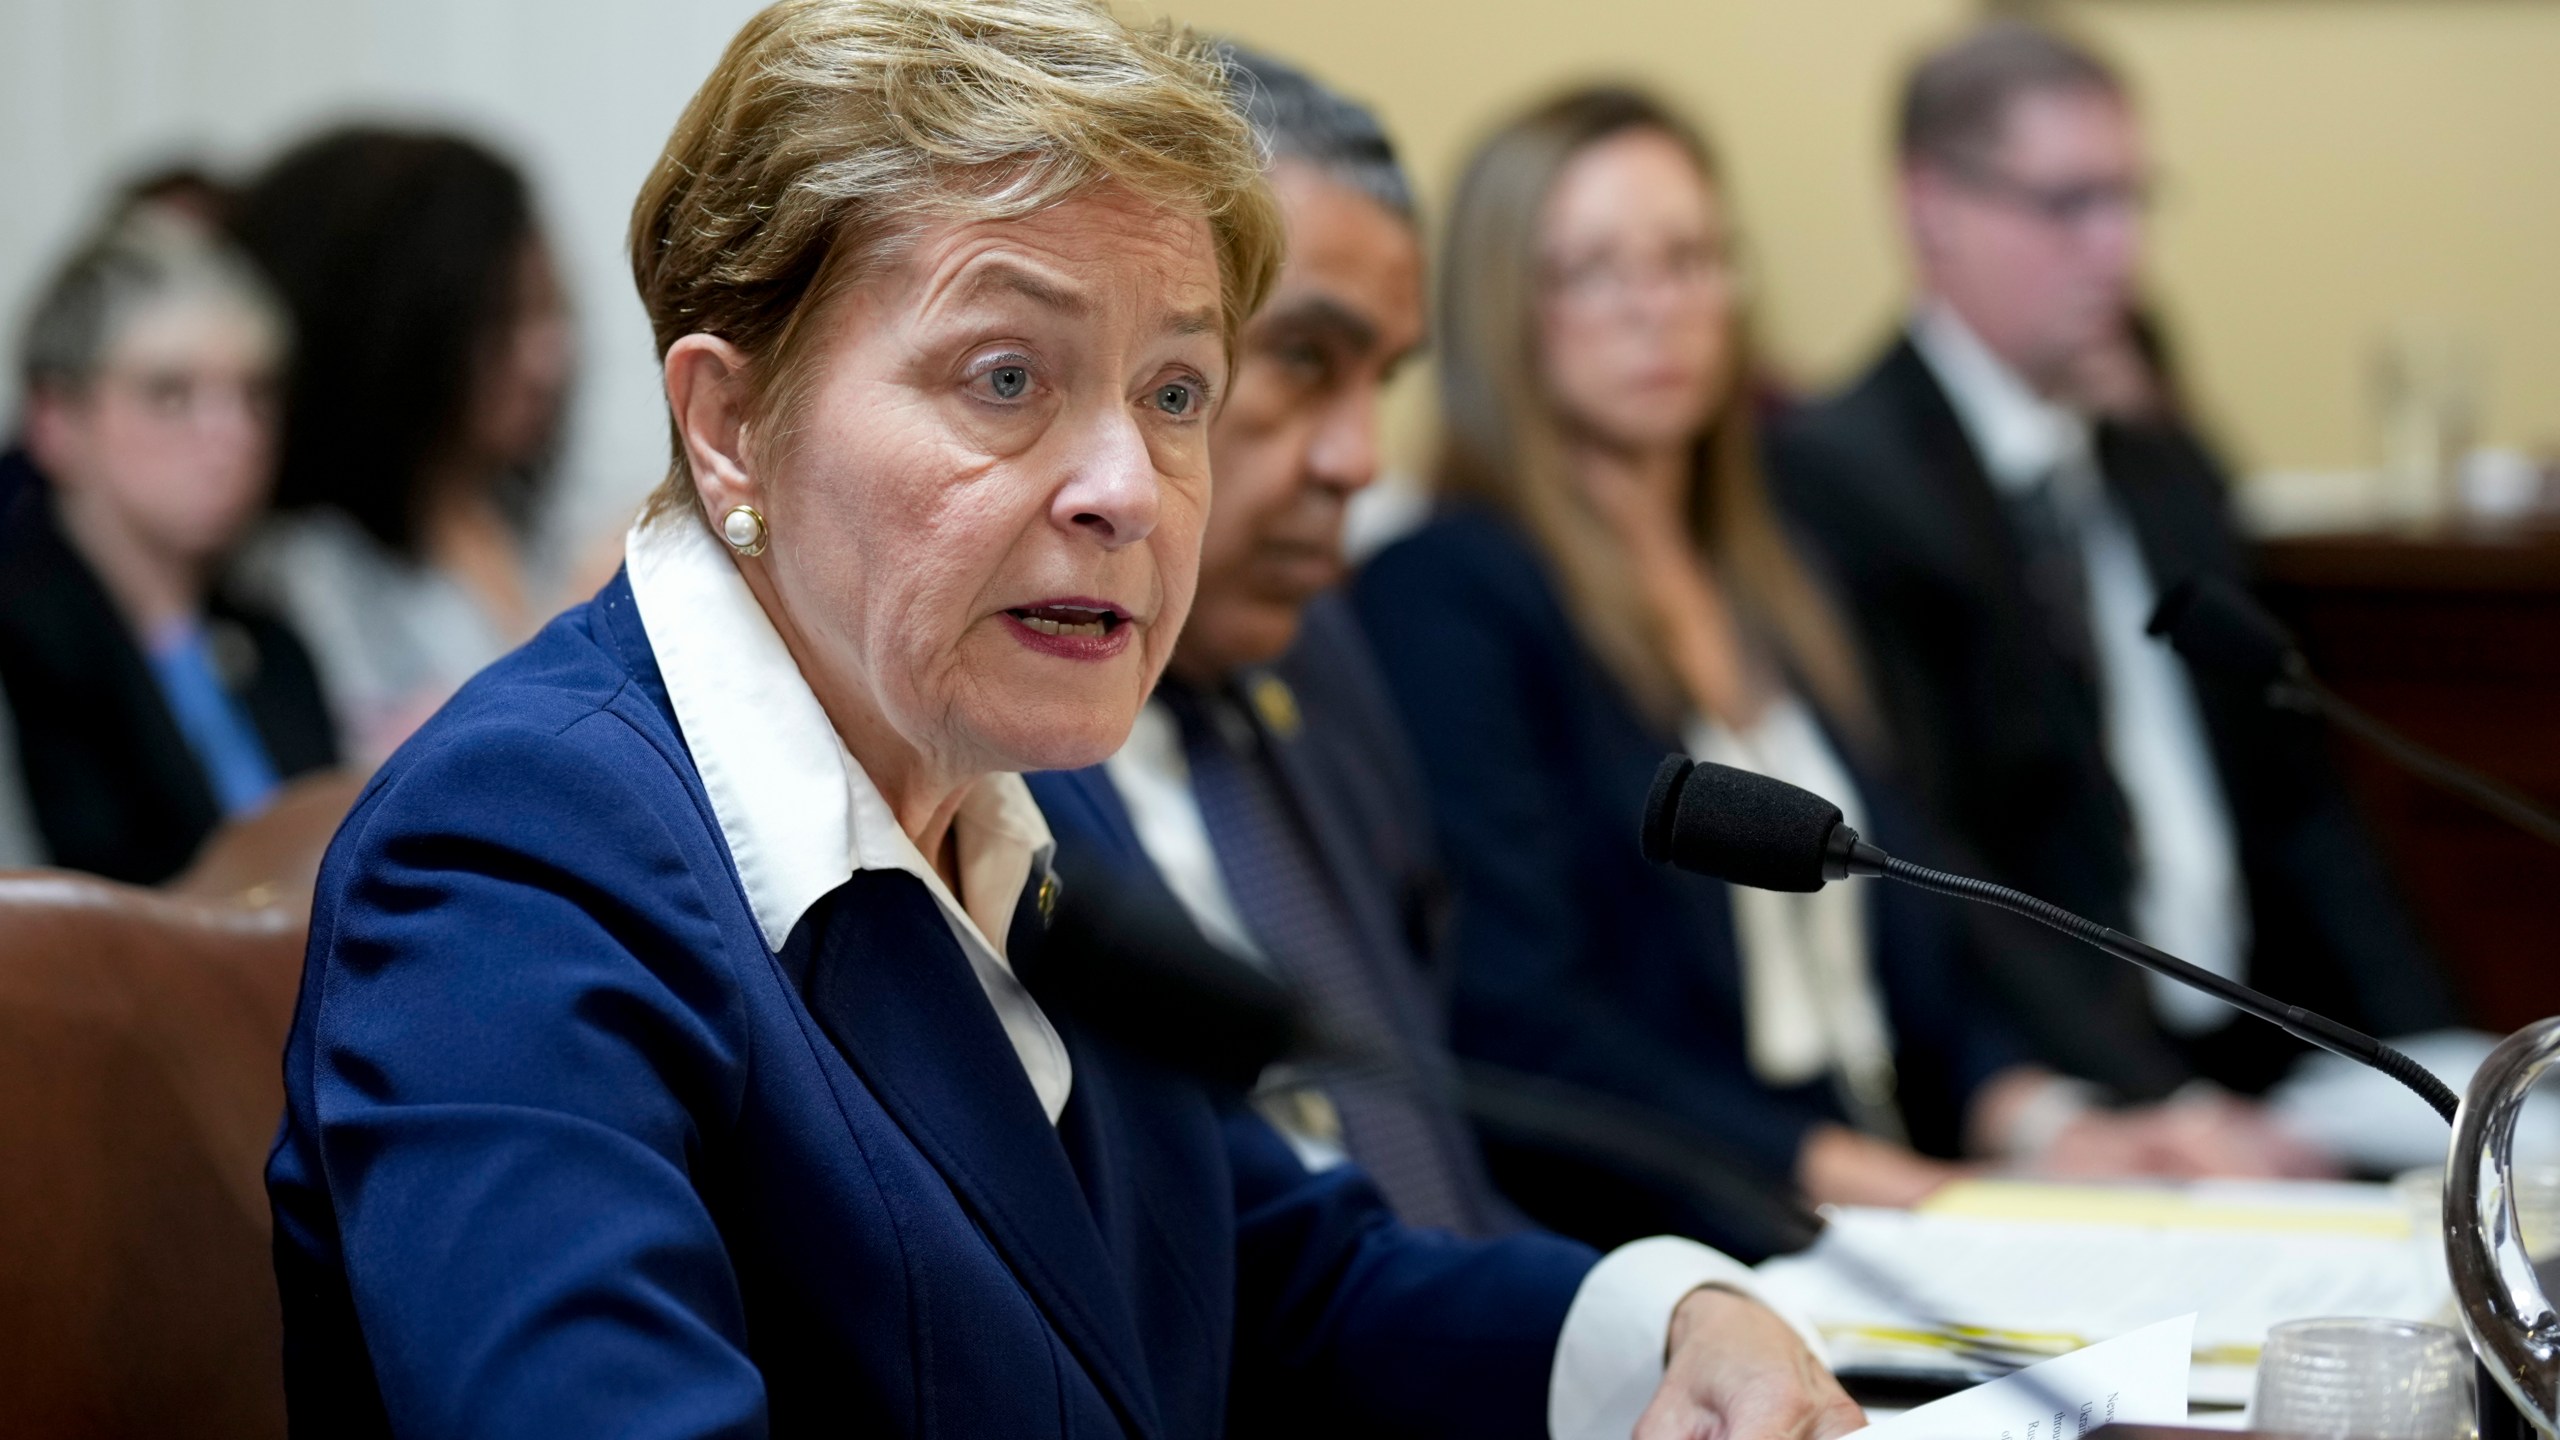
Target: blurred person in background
{"points": [[2004, 495], [1608, 581], [432, 361], [148, 704], [1267, 786]]}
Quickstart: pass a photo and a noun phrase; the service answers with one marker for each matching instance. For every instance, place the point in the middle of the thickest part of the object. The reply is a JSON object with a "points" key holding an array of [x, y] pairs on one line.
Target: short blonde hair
{"points": [[834, 130]]}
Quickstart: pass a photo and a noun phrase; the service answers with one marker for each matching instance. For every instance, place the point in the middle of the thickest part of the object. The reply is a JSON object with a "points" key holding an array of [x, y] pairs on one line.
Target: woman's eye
{"points": [[1009, 381], [1177, 398]]}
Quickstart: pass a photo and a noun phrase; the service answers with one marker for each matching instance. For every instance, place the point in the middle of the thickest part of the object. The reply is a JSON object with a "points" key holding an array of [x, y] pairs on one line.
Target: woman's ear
{"points": [[707, 396]]}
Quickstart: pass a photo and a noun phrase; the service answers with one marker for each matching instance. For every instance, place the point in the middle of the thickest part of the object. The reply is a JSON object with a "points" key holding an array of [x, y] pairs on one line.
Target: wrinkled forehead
{"points": [[1101, 257]]}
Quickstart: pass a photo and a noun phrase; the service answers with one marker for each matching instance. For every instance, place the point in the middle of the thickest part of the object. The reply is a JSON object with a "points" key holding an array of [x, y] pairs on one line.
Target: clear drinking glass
{"points": [[2364, 1380]]}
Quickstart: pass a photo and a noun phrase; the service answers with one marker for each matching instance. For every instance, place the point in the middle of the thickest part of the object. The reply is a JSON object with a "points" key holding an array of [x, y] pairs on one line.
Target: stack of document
{"points": [[1994, 1275]]}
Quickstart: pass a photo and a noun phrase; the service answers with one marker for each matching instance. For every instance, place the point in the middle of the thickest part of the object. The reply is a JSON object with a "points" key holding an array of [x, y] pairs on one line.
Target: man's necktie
{"points": [[2057, 570], [1301, 920]]}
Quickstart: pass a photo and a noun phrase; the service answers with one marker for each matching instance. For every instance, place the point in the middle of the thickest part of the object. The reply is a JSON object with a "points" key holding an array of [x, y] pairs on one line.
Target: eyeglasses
{"points": [[187, 397], [2066, 205], [1607, 281]]}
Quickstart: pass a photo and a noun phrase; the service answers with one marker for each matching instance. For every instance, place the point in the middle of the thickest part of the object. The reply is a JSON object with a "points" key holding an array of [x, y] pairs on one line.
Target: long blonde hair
{"points": [[1503, 445]]}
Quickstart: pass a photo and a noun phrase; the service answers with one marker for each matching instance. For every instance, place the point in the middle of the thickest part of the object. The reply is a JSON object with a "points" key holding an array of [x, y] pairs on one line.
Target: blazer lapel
{"points": [[1966, 498], [888, 982]]}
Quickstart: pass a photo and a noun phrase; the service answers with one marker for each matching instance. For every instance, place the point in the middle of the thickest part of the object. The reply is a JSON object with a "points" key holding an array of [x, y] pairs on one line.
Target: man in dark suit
{"points": [[2003, 541], [1268, 789], [1266, 786]]}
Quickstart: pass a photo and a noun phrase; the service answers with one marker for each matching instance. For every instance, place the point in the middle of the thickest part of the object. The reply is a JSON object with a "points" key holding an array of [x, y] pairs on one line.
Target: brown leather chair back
{"points": [[273, 858], [141, 1079], [140, 1084]]}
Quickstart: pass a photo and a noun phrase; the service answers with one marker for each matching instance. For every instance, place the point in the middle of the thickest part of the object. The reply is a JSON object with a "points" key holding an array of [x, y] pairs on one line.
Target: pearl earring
{"points": [[743, 528]]}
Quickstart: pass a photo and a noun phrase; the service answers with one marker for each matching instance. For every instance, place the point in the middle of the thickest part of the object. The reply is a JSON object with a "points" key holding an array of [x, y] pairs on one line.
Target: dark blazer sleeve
{"points": [[1351, 1324], [1473, 662], [520, 1035]]}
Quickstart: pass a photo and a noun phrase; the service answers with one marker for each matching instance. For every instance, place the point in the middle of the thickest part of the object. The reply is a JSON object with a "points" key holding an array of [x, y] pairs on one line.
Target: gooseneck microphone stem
{"points": [[2302, 1024], [2307, 696], [1748, 829]]}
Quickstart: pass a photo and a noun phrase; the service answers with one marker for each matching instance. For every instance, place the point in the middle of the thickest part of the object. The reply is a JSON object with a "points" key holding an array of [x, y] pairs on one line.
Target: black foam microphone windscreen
{"points": [[1739, 826], [2218, 628]]}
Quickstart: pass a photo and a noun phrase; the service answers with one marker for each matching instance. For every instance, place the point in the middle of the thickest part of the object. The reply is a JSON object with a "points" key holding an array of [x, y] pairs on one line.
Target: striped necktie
{"points": [[1411, 1147]]}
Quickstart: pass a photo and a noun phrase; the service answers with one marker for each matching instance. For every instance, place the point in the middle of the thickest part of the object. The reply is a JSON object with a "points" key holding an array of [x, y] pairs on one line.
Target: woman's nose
{"points": [[1114, 491]]}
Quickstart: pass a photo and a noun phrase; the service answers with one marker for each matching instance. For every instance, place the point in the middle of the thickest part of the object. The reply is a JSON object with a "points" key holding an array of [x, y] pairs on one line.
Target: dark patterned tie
{"points": [[1301, 920], [2057, 570]]}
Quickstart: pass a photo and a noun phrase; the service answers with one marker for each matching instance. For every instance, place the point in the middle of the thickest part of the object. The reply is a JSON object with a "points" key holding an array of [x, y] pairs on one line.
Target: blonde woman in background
{"points": [[1607, 581]]}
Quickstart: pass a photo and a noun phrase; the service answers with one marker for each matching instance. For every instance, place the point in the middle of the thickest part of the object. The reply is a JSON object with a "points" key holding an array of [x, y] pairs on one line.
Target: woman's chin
{"points": [[1057, 733]]}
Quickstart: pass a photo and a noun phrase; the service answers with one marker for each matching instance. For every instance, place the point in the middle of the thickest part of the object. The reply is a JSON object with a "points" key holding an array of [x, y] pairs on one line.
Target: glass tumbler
{"points": [[2364, 1380]]}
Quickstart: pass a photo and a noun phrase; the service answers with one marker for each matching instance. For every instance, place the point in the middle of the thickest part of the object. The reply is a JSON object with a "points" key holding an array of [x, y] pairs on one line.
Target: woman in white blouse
{"points": [[1607, 580]]}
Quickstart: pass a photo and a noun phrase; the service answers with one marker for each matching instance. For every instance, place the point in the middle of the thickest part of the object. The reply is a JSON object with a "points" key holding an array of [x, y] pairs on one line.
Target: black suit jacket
{"points": [[1577, 959], [115, 789], [2005, 741]]}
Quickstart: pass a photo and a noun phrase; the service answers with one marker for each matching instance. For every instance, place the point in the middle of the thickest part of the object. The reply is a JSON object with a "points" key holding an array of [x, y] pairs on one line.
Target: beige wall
{"points": [[2341, 168], [2333, 165]]}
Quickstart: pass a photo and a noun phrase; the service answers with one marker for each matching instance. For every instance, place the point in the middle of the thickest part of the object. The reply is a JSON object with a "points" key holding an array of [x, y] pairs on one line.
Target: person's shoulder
{"points": [[562, 712], [1862, 415], [1463, 546]]}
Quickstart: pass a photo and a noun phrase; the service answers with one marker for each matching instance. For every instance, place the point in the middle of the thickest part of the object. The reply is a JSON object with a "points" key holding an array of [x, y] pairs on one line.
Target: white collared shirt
{"points": [[798, 812], [1153, 776], [800, 817], [1810, 1001], [2189, 897]]}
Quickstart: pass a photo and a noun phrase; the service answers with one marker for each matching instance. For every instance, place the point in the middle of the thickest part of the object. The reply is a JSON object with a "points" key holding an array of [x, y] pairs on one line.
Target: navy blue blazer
{"points": [[1576, 957], [568, 1152]]}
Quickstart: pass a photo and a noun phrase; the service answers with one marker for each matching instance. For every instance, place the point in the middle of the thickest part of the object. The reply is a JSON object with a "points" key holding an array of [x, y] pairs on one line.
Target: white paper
{"points": [[2135, 1379], [2056, 1286]]}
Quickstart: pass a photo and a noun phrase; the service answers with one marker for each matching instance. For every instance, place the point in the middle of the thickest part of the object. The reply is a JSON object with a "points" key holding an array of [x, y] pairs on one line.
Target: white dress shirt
{"points": [[798, 812], [800, 817], [1153, 775], [1810, 1002], [2188, 893]]}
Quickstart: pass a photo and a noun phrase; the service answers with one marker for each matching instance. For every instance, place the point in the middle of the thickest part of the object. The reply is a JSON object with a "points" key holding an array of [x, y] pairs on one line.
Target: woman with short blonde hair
{"points": [[663, 1065]]}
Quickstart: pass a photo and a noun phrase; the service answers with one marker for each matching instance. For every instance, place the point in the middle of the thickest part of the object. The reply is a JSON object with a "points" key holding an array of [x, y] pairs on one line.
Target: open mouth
{"points": [[1078, 621]]}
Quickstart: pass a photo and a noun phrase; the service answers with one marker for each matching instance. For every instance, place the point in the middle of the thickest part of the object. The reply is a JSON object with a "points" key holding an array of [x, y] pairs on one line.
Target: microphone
{"points": [[1748, 829], [2220, 629]]}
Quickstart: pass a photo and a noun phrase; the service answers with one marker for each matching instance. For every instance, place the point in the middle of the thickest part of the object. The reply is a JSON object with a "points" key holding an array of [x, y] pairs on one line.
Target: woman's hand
{"points": [[1839, 1166], [1738, 1372]]}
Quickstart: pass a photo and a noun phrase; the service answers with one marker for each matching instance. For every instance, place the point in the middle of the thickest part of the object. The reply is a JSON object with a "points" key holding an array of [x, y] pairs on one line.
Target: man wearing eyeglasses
{"points": [[2003, 526]]}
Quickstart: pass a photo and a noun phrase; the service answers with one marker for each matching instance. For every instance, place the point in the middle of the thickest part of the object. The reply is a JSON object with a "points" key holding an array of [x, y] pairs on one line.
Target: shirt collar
{"points": [[2022, 437], [798, 812]]}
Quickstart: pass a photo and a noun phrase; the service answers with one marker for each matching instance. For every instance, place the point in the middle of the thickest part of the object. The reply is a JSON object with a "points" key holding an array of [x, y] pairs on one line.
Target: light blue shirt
{"points": [[217, 730]]}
